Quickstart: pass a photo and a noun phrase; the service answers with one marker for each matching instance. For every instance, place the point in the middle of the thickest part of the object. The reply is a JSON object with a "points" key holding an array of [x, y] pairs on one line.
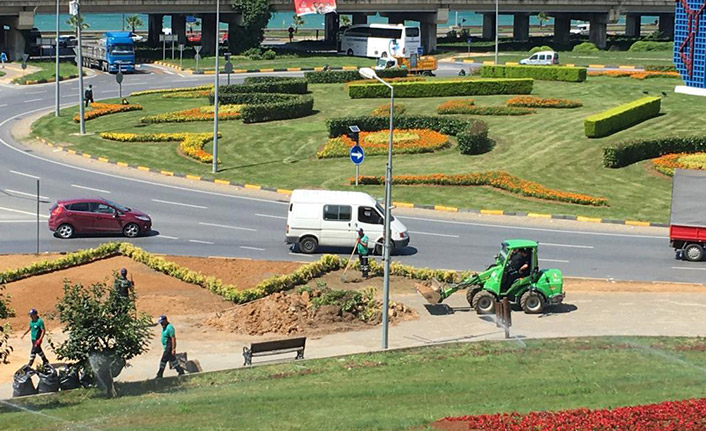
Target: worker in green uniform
{"points": [[37, 329], [122, 285], [363, 251], [169, 343]]}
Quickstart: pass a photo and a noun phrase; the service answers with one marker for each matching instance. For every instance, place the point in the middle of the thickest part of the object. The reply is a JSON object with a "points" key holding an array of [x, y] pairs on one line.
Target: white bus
{"points": [[380, 40]]}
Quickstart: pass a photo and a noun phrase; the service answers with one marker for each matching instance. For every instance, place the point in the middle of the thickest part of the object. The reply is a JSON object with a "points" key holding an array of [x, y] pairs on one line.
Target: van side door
{"points": [[337, 227]]}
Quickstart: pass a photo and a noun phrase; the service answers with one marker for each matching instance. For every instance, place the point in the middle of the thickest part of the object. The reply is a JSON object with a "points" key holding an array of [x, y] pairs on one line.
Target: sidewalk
{"points": [[14, 70]]}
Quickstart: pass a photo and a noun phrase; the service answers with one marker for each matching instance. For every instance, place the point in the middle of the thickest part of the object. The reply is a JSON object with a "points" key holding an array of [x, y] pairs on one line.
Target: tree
{"points": [[344, 21], [104, 330], [73, 21], [542, 17], [5, 312], [297, 22], [256, 14], [133, 21]]}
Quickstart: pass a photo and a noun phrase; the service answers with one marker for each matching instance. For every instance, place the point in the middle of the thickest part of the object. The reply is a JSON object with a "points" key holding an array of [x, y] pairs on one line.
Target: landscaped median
{"points": [[406, 141], [544, 73], [101, 109], [442, 88], [622, 117], [191, 144], [626, 153]]}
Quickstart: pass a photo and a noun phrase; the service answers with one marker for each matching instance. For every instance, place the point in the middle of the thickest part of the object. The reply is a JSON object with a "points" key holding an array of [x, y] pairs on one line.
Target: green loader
{"points": [[533, 290]]}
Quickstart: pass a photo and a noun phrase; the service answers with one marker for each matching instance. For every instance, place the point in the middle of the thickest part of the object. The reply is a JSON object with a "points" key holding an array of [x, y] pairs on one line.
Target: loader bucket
{"points": [[430, 290]]}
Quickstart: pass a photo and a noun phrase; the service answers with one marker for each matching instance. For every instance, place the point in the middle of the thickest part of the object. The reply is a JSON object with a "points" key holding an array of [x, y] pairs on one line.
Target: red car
{"points": [[77, 216]]}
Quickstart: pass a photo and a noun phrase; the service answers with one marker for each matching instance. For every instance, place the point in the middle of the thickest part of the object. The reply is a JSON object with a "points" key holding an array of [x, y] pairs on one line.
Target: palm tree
{"points": [[133, 21], [297, 21], [344, 21], [73, 22], [542, 17]]}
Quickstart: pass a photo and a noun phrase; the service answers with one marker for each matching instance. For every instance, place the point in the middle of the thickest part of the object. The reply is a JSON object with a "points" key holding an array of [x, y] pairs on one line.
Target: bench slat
{"points": [[266, 346]]}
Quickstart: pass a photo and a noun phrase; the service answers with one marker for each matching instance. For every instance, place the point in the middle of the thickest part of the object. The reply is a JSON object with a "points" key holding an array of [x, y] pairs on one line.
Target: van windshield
{"points": [[381, 210]]}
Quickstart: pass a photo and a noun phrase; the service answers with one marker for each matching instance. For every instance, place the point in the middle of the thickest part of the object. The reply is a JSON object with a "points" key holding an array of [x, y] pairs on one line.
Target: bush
{"points": [[443, 88], [660, 68], [474, 139], [541, 102], [543, 73], [585, 48], [648, 46], [286, 86], [252, 53], [384, 110], [342, 76], [269, 55], [540, 48], [628, 152], [296, 107], [621, 117], [392, 73], [467, 106]]}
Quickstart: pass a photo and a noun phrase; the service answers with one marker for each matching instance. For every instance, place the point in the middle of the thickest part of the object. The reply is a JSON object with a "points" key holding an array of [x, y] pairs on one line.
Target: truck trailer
{"points": [[114, 52], [687, 222]]}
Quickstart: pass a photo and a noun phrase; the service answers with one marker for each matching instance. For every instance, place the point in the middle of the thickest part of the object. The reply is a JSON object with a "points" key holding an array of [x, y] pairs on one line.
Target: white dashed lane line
{"points": [[443, 235], [252, 248], [179, 204], [201, 242], [271, 216], [89, 188], [689, 268], [548, 244], [554, 260], [228, 227]]}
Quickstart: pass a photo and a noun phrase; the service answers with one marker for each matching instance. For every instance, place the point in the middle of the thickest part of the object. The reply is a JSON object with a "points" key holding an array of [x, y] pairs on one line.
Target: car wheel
{"points": [[484, 302], [308, 244], [131, 230], [532, 302], [379, 248], [65, 231], [694, 252], [349, 53], [383, 55]]}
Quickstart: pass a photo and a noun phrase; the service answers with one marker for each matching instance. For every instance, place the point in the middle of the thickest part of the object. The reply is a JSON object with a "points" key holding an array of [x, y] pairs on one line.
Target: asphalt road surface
{"points": [[191, 218]]}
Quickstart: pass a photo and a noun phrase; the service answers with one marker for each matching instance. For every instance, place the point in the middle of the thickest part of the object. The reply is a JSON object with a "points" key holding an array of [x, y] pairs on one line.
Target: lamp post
{"points": [[56, 52], [369, 73], [497, 30], [75, 10], [215, 91]]}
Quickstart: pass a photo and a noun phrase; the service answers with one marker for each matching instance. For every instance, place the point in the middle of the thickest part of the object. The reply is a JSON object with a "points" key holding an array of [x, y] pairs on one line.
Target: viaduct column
{"points": [[208, 34], [599, 29], [489, 26], [179, 27], [154, 28], [562, 27], [633, 25], [521, 27], [666, 25], [331, 25], [360, 19]]}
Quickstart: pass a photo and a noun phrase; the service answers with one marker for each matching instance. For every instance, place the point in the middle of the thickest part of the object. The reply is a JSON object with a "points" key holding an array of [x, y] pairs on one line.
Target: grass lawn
{"points": [[48, 70], [548, 147], [391, 391], [280, 62], [614, 58], [2, 73]]}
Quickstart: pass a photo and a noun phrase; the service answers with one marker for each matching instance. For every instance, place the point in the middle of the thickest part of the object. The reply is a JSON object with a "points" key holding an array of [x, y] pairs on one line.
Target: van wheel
{"points": [[349, 53], [694, 252], [383, 55], [308, 244]]}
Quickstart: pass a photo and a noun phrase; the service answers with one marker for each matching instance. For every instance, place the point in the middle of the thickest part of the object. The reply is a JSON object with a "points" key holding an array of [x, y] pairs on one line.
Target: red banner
{"points": [[308, 7]]}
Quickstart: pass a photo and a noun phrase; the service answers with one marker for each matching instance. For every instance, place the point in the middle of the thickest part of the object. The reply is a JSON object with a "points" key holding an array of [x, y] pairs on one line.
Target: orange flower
{"points": [[641, 74], [100, 109], [406, 141], [540, 102]]}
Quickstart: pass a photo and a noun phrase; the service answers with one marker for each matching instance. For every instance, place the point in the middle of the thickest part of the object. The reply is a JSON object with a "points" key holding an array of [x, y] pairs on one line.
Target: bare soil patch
{"points": [[243, 273], [15, 261], [588, 285]]}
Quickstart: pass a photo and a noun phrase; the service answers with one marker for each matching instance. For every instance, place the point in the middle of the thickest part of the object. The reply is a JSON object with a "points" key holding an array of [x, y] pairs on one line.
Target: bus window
{"points": [[412, 32]]}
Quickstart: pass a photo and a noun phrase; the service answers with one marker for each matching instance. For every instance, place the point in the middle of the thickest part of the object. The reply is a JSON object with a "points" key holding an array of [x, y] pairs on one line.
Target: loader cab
{"points": [[509, 249]]}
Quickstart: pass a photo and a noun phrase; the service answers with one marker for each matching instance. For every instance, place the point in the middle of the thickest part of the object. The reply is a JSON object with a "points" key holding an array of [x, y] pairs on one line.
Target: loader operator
{"points": [[519, 266]]}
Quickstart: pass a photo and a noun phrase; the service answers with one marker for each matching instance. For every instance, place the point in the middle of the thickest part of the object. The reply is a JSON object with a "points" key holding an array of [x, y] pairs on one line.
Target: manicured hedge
{"points": [[467, 87], [629, 152], [542, 73], [260, 107], [289, 86], [614, 120], [472, 135], [342, 76]]}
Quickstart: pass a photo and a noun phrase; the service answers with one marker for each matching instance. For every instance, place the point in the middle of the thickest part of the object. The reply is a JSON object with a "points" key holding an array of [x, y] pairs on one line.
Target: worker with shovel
{"points": [[363, 251], [122, 285], [169, 344]]}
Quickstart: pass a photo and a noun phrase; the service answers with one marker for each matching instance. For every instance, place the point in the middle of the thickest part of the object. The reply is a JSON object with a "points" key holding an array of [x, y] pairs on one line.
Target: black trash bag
{"points": [[68, 377], [48, 379], [105, 366], [22, 384]]}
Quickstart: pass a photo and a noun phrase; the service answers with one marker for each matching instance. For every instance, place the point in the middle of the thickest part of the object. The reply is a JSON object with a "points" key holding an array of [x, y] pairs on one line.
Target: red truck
{"points": [[687, 223]]}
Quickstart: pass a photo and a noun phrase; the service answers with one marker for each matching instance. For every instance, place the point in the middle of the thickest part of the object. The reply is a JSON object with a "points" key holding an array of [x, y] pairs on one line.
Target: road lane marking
{"points": [[32, 195], [434, 234], [180, 204], [554, 260], [201, 242], [25, 175], [3, 105], [252, 248], [167, 237], [570, 232], [12, 210], [35, 92], [686, 267], [18, 221], [89, 188], [564, 245], [227, 227], [301, 255], [271, 216], [32, 100]]}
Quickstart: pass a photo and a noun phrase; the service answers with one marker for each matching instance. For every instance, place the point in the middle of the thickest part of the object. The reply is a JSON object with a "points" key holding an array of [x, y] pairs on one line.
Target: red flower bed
{"points": [[686, 415]]}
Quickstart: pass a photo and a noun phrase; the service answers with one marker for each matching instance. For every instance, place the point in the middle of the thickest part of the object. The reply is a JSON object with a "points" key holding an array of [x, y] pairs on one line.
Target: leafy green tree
{"points": [[73, 22], [256, 14], [542, 17], [344, 20], [5, 312], [133, 21], [103, 330], [297, 22]]}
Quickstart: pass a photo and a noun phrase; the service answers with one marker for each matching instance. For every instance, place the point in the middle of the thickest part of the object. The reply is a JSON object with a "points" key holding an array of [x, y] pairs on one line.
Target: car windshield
{"points": [[381, 210], [118, 206]]}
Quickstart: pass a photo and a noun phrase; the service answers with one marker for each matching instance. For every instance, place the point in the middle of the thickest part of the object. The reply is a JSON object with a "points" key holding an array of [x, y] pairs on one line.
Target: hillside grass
{"points": [[548, 147], [397, 390]]}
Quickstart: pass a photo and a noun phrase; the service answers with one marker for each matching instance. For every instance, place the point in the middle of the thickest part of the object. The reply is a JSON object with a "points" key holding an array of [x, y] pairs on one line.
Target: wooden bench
{"points": [[274, 347]]}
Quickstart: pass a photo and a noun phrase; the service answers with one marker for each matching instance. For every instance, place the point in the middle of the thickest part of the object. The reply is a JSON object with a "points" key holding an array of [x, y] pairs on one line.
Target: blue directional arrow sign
{"points": [[356, 154]]}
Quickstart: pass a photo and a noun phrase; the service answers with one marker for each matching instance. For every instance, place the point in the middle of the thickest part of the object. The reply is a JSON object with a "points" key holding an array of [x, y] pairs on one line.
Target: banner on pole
{"points": [[308, 7]]}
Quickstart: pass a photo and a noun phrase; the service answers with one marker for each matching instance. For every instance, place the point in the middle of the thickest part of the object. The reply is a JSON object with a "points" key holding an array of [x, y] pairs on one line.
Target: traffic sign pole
{"points": [[357, 173], [181, 56], [356, 153]]}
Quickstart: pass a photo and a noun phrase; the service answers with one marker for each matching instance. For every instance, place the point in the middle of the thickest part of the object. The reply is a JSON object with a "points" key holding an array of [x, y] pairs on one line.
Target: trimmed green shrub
{"points": [[540, 48], [297, 107], [486, 110], [443, 88], [542, 73], [474, 139], [288, 86], [392, 73], [619, 118], [628, 152], [585, 48], [269, 55], [649, 45], [267, 79], [342, 76], [660, 68]]}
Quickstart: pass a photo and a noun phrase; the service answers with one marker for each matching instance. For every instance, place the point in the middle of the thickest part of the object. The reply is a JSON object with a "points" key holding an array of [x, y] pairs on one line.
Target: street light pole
{"points": [[57, 74], [75, 9], [369, 73], [497, 30], [215, 91]]}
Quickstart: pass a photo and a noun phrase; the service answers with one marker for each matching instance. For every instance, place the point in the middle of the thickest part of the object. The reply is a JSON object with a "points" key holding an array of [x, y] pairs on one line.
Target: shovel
{"points": [[350, 259]]}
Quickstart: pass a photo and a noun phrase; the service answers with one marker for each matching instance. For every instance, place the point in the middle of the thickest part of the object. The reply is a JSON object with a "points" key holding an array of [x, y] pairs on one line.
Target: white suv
{"points": [[543, 58]]}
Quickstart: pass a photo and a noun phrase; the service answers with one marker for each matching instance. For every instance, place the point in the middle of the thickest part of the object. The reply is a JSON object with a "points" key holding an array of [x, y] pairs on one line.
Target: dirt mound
{"points": [[243, 273], [294, 314]]}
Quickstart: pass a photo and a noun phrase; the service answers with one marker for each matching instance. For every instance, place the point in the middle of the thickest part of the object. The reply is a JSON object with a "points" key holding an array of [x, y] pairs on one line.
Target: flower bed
{"points": [[642, 74], [172, 90], [497, 179], [406, 141], [101, 109], [187, 94], [203, 113], [191, 144], [542, 102], [667, 163], [467, 106], [686, 415]]}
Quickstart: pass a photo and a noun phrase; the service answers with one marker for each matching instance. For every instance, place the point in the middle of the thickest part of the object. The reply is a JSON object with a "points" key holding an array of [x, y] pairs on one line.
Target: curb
{"points": [[514, 63], [288, 192], [45, 81], [265, 70]]}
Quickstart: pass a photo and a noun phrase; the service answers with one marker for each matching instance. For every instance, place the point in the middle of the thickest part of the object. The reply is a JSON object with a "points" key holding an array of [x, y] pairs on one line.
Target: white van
{"points": [[581, 29], [332, 218], [542, 58]]}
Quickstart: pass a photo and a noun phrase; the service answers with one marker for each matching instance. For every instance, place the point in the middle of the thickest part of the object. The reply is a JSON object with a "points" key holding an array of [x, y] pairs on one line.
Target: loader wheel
{"points": [[694, 252], [484, 302], [532, 302], [470, 294]]}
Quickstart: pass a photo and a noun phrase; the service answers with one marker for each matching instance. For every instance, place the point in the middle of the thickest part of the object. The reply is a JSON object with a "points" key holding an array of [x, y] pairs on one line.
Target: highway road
{"points": [[192, 218]]}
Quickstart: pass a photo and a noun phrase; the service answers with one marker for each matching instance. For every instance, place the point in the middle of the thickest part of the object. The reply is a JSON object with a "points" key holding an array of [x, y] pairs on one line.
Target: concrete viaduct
{"points": [[16, 16]]}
